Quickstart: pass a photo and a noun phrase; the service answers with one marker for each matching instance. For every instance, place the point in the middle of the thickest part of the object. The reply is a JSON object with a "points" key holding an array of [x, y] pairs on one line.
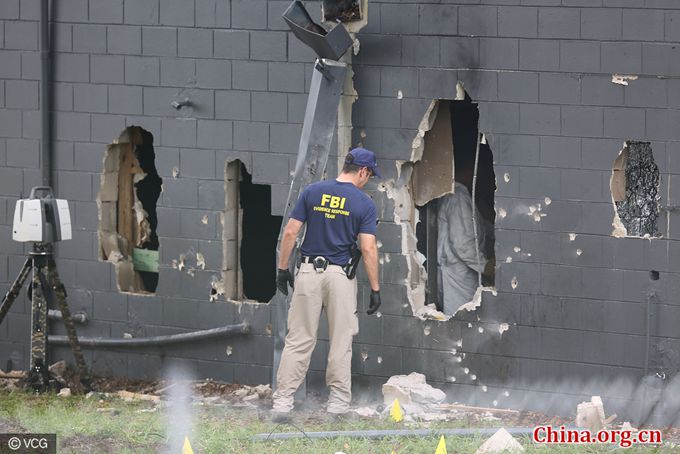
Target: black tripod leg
{"points": [[38, 376], [58, 292], [14, 290]]}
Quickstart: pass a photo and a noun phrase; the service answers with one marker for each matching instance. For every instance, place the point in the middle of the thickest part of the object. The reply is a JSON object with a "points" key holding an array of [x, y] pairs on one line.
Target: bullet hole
{"points": [[459, 359], [503, 327], [514, 283], [572, 236], [454, 351], [204, 219], [249, 236], [200, 261], [635, 191], [229, 351], [452, 379], [466, 371], [506, 177], [174, 264], [400, 95], [508, 259], [180, 265], [129, 190], [364, 355], [379, 359], [378, 314], [175, 172], [506, 393], [459, 343], [654, 275], [547, 201], [473, 377], [495, 403], [469, 325], [502, 213], [480, 329], [579, 252], [427, 330], [484, 388], [517, 249], [268, 329]]}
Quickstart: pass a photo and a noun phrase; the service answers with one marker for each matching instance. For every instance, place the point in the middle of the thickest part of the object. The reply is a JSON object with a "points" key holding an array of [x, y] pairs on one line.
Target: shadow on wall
{"points": [[130, 187]]}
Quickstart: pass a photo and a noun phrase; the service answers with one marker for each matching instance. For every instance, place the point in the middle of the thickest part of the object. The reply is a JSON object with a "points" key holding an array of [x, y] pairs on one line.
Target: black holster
{"points": [[354, 256]]}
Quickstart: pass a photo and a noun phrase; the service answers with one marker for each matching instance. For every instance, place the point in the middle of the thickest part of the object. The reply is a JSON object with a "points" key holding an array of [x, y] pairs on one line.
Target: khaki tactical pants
{"points": [[338, 295]]}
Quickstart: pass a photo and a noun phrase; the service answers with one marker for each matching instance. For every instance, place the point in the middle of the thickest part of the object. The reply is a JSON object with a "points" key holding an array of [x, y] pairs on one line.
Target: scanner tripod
{"points": [[45, 289]]}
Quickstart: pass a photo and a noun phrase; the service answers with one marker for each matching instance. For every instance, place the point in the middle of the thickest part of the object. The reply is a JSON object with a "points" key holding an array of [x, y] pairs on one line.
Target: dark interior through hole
{"points": [[148, 191], [342, 10], [464, 124], [260, 232]]}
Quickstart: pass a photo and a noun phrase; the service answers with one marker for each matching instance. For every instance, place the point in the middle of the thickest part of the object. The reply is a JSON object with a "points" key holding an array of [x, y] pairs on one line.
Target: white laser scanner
{"points": [[41, 219]]}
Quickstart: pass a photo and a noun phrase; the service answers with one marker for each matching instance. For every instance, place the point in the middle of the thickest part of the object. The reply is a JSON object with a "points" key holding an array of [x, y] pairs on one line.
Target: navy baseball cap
{"points": [[364, 158]]}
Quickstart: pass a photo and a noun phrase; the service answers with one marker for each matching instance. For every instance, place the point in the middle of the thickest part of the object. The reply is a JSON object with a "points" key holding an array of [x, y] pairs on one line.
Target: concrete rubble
{"points": [[501, 441], [414, 394], [590, 415]]}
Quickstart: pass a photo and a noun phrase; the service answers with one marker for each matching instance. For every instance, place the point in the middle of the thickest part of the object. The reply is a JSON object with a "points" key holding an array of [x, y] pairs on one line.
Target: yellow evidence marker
{"points": [[396, 413], [441, 447], [186, 448]]}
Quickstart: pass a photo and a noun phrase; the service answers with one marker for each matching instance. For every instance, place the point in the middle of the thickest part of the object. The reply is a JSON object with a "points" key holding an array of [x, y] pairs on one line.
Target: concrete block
{"points": [[538, 182], [411, 51], [660, 124], [159, 41], [89, 38], [270, 168], [180, 193], [10, 10], [459, 52], [478, 20], [395, 80], [647, 92], [537, 54], [12, 64], [177, 12], [599, 90], [249, 75], [178, 72], [437, 83], [63, 156], [518, 86], [232, 44], [232, 105], [380, 50], [539, 119], [560, 88], [72, 11], [498, 53], [211, 193], [399, 19], [582, 121], [90, 98], [562, 152], [72, 126], [286, 77], [499, 117], [30, 120], [21, 94], [72, 68], [142, 70], [249, 15], [250, 136], [643, 25], [212, 14], [622, 57], [178, 132], [23, 153], [125, 100], [672, 30], [377, 112], [195, 42], [298, 51], [396, 143], [601, 24], [213, 73], [108, 69], [599, 154], [141, 12], [21, 35], [106, 11], [63, 96], [30, 64], [559, 23], [274, 11], [624, 122], [124, 39], [580, 56], [268, 45], [81, 247], [105, 127], [215, 134], [29, 10], [85, 216], [269, 107], [518, 21], [584, 185], [191, 225], [366, 80]]}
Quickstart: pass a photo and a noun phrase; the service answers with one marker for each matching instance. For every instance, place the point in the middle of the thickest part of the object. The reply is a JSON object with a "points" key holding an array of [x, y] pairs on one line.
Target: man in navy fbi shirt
{"points": [[337, 213]]}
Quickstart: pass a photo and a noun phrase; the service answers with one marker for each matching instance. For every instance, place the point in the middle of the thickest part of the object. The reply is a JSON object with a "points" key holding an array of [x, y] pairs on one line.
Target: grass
{"points": [[128, 427]]}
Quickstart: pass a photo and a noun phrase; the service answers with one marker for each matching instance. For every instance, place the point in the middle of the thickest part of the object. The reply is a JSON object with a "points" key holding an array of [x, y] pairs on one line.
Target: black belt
{"points": [[310, 259]]}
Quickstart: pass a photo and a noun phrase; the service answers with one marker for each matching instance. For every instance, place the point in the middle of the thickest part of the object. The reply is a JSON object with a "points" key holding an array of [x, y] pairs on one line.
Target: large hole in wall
{"points": [[250, 234], [434, 194], [129, 190], [635, 191]]}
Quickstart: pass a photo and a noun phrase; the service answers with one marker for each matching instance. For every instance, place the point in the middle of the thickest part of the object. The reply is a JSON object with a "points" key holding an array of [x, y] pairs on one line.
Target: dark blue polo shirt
{"points": [[335, 213]]}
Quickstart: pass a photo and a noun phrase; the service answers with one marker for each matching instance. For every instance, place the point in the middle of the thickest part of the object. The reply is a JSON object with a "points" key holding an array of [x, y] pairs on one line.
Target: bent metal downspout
{"points": [[101, 342], [45, 93]]}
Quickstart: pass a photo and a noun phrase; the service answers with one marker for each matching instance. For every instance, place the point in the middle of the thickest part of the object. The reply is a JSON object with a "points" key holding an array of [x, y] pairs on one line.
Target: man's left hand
{"points": [[283, 279], [375, 302]]}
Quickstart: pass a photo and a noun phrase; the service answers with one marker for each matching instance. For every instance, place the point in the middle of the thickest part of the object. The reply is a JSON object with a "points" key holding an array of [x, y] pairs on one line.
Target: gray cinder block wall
{"points": [[541, 72]]}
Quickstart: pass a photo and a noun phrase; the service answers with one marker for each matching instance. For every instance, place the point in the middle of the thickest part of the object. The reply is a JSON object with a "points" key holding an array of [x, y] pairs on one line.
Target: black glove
{"points": [[283, 279], [375, 302]]}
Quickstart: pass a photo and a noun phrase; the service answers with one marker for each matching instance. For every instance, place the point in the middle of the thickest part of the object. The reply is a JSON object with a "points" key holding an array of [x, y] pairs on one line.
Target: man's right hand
{"points": [[374, 302], [283, 279]]}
